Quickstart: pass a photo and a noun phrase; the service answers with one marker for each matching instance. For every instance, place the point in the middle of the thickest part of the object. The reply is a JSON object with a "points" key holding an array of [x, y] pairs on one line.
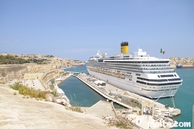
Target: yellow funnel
{"points": [[124, 48]]}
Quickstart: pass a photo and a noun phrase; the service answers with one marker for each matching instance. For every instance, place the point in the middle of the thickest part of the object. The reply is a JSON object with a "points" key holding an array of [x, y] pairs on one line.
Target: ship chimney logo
{"points": [[124, 48]]}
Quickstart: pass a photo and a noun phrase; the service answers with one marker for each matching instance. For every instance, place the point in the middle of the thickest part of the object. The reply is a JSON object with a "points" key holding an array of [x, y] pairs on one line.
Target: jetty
{"points": [[102, 93], [135, 104]]}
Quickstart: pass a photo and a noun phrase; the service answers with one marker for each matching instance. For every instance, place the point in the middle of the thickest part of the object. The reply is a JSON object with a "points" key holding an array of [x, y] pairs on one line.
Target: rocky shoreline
{"points": [[62, 98]]}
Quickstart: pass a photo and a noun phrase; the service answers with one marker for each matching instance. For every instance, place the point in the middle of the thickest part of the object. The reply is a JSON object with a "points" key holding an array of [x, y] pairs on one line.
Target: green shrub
{"points": [[23, 90], [54, 92], [29, 91], [16, 86], [51, 87], [41, 94]]}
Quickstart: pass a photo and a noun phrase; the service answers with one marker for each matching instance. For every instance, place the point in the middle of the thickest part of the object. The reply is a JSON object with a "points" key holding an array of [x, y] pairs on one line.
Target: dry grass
{"points": [[29, 92], [121, 123], [14, 93], [76, 109]]}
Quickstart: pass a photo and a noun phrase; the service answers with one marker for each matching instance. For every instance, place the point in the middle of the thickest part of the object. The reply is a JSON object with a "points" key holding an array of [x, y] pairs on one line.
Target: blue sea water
{"points": [[82, 95], [184, 98], [78, 69], [78, 93]]}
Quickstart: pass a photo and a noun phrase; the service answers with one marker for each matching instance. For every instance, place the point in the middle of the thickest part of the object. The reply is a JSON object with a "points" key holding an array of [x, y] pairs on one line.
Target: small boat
{"points": [[179, 66]]}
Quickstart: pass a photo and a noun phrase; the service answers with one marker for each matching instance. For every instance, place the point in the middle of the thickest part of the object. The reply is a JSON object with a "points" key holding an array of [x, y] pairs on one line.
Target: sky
{"points": [[77, 29]]}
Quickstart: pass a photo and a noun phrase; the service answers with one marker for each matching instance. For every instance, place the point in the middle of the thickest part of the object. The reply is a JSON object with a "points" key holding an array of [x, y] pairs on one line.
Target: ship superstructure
{"points": [[138, 72]]}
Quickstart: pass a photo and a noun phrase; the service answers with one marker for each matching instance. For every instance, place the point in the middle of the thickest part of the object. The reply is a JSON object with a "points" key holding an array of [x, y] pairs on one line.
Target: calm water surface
{"points": [[78, 93], [184, 98]]}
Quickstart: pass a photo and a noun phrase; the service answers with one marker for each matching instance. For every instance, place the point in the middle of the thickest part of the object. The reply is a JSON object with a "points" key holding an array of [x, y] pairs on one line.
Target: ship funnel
{"points": [[124, 48]]}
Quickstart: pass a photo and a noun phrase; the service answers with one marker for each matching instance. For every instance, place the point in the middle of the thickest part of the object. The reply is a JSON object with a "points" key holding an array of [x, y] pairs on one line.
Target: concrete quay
{"points": [[100, 92], [158, 113]]}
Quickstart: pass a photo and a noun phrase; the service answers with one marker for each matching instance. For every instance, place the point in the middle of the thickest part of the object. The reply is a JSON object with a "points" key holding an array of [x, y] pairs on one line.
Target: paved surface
{"points": [[144, 120], [17, 112], [112, 89], [101, 109]]}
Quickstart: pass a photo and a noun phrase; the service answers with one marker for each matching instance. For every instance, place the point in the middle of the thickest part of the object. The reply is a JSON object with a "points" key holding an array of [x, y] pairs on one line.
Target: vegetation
{"points": [[61, 73], [12, 60], [49, 56], [66, 73], [14, 93], [52, 87], [54, 92], [8, 59], [52, 81], [76, 109], [134, 101], [29, 91], [38, 61], [121, 122]]}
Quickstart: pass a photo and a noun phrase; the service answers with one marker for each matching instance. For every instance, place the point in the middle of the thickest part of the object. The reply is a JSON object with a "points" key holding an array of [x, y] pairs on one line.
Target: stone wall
{"points": [[183, 61], [39, 67], [32, 76], [34, 71], [48, 76], [11, 71]]}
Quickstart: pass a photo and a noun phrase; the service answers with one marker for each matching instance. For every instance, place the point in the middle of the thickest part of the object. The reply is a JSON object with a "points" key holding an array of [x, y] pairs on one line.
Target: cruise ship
{"points": [[138, 73]]}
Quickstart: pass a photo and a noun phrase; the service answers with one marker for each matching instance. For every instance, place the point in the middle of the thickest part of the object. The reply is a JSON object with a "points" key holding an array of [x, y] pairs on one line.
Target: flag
{"points": [[162, 51]]}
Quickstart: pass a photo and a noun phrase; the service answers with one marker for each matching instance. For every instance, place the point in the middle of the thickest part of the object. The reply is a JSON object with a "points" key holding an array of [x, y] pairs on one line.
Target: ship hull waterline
{"points": [[131, 86]]}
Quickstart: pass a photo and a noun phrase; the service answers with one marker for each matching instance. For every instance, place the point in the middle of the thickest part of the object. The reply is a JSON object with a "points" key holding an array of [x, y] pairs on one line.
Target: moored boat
{"points": [[137, 72], [179, 66]]}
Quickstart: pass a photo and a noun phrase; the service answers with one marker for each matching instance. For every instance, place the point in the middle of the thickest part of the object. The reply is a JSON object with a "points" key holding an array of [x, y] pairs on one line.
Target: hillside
{"points": [[22, 113], [183, 61]]}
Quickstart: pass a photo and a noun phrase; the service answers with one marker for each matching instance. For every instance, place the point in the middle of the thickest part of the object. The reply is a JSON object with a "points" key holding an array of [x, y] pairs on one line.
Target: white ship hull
{"points": [[133, 87], [138, 72]]}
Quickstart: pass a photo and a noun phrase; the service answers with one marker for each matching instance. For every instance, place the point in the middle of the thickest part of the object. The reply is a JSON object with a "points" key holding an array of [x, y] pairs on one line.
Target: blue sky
{"points": [[78, 28]]}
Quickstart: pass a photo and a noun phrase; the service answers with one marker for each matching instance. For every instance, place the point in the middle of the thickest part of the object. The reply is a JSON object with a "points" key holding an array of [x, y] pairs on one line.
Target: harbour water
{"points": [[78, 93], [81, 95], [184, 98]]}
